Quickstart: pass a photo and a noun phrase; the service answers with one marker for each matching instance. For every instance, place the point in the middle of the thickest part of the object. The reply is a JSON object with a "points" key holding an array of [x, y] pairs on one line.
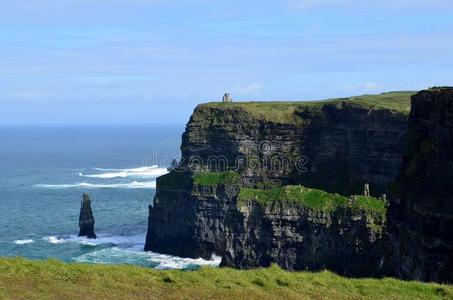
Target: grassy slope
{"points": [[312, 198], [284, 111], [215, 178], [24, 279]]}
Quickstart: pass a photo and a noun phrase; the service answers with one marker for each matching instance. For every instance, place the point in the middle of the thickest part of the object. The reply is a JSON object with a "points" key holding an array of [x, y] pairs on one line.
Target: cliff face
{"points": [[421, 217], [187, 219], [335, 146], [246, 187], [296, 237]]}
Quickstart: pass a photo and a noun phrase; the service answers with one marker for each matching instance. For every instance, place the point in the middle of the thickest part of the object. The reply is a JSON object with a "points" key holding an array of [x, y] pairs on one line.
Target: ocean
{"points": [[45, 171]]}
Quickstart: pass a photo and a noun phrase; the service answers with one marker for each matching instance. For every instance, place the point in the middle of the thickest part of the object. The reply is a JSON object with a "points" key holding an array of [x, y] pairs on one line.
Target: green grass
{"points": [[285, 112], [215, 178], [51, 279], [370, 204], [312, 198], [440, 88]]}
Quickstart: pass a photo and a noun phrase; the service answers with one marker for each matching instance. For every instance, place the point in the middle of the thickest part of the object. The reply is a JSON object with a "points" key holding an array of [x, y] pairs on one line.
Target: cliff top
{"points": [[440, 88], [284, 111]]}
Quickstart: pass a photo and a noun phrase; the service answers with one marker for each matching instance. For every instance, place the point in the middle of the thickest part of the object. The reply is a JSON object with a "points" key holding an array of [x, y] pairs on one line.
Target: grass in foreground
{"points": [[25, 279]]}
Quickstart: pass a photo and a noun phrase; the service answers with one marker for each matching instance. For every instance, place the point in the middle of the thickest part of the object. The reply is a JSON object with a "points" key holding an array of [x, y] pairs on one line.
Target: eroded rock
{"points": [[86, 218]]}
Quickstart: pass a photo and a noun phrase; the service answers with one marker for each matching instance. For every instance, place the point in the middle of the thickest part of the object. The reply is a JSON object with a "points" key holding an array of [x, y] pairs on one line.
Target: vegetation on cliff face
{"points": [[51, 279], [312, 198], [215, 178], [286, 112]]}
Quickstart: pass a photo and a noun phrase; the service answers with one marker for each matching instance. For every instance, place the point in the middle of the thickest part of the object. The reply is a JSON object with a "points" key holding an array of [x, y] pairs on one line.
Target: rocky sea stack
{"points": [[315, 185], [86, 218]]}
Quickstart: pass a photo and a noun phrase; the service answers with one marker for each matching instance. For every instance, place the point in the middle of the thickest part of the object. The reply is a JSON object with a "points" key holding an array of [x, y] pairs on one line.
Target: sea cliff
{"points": [[232, 149], [283, 182], [306, 229], [421, 214]]}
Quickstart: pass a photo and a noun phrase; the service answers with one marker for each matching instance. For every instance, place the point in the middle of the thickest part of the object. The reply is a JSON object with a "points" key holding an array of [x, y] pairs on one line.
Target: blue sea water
{"points": [[44, 171]]}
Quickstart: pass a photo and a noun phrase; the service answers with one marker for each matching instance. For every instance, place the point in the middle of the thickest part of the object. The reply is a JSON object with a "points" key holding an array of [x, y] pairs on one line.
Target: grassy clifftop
{"points": [[24, 279], [284, 111]]}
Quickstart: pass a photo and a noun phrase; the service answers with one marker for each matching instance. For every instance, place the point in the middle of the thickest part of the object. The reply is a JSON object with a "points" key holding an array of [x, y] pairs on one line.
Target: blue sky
{"points": [[88, 62]]}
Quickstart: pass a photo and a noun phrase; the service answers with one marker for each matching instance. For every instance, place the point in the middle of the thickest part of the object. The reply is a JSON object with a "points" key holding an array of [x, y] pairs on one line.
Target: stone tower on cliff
{"points": [[227, 98]]}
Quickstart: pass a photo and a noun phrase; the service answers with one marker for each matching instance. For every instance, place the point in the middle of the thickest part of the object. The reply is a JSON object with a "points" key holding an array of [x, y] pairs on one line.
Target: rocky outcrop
{"points": [[421, 215], [335, 146], [344, 240], [86, 218], [187, 219]]}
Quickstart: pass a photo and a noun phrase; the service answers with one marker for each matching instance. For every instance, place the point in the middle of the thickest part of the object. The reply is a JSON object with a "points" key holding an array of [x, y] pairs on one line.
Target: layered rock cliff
{"points": [[334, 145], [421, 215], [247, 186], [187, 218], [306, 229]]}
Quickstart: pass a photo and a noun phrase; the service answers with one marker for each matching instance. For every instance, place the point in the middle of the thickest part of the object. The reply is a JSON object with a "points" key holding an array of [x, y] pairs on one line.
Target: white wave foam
{"points": [[128, 250], [23, 242], [87, 243], [131, 185], [173, 262], [129, 241], [117, 255], [143, 172], [54, 239]]}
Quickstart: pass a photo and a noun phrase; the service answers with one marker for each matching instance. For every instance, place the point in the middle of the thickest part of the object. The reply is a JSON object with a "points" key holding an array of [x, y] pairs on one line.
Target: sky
{"points": [[138, 62]]}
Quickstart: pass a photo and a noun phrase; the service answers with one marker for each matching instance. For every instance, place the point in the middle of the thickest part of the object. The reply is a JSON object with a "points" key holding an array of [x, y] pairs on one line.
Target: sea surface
{"points": [[45, 171]]}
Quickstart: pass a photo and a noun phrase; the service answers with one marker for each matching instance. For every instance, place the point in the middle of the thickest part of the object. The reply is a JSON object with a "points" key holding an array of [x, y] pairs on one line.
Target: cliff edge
{"points": [[236, 154], [421, 215]]}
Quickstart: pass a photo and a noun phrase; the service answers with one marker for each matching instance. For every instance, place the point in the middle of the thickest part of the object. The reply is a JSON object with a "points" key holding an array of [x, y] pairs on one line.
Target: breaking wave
{"points": [[128, 250], [23, 242], [143, 172], [130, 241], [116, 255], [130, 185]]}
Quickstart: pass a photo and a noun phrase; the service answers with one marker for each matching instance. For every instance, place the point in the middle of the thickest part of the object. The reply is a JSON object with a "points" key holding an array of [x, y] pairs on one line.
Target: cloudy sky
{"points": [[86, 62]]}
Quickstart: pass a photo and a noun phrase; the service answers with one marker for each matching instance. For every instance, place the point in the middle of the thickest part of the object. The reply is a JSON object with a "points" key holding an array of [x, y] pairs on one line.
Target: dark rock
{"points": [[421, 213], [346, 145], [335, 147], [86, 218], [187, 219], [295, 237]]}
